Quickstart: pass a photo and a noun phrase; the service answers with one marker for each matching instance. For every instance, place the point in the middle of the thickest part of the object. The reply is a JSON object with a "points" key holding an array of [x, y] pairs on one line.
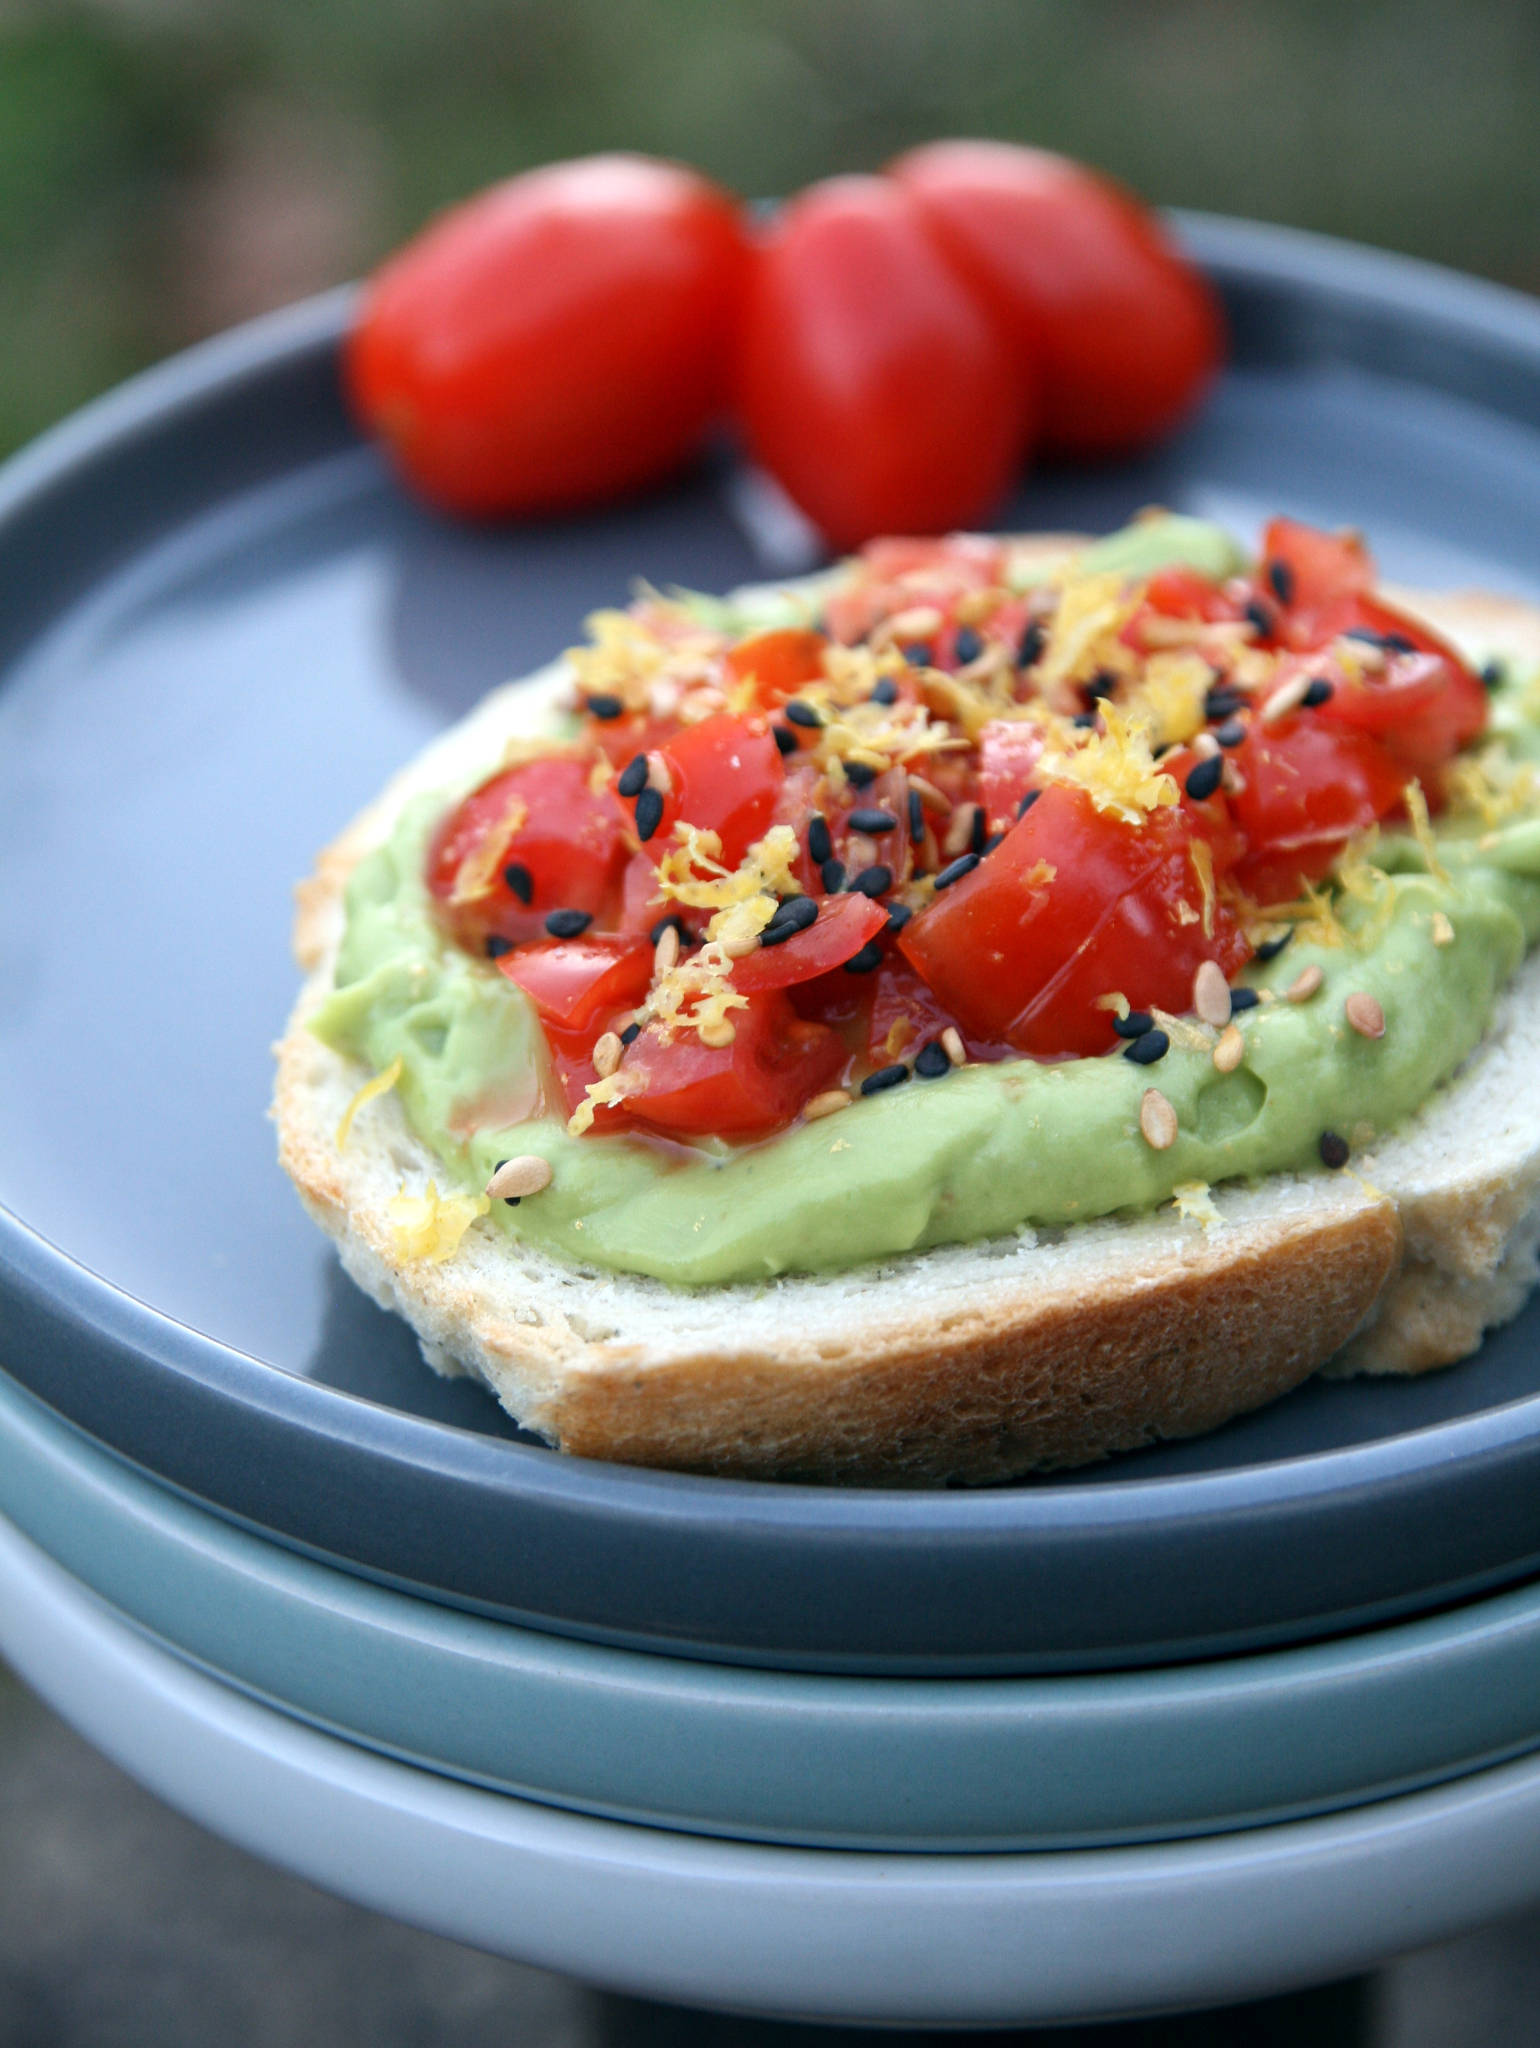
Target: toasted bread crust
{"points": [[965, 1364]]}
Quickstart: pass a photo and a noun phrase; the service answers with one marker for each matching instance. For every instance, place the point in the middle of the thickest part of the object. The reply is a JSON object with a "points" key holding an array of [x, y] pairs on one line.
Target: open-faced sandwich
{"points": [[992, 1004]]}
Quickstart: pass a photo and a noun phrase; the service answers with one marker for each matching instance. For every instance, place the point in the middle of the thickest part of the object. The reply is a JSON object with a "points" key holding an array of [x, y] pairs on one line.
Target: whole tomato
{"points": [[558, 340], [1125, 333], [872, 384]]}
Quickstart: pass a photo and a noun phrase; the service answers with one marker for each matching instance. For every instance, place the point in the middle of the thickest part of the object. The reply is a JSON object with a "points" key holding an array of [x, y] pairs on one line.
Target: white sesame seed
{"points": [[1304, 985], [1288, 699], [526, 1175], [952, 1045], [658, 777], [1365, 1014], [1157, 1120], [606, 1055], [1205, 746], [717, 1032], [1211, 994], [665, 955], [1229, 1049], [826, 1104]]}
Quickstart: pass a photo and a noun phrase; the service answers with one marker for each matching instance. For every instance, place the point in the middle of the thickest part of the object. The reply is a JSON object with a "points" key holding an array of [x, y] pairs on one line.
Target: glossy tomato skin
{"points": [[558, 340], [1307, 788], [777, 663], [726, 775], [845, 924], [1072, 905], [574, 982], [1084, 281], [872, 384], [569, 840], [746, 1089]]}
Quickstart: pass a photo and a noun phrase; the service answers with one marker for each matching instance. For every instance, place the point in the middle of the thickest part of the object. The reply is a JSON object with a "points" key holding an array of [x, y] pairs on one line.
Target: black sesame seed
{"points": [[978, 831], [1203, 780], [899, 915], [885, 1077], [671, 923], [870, 956], [991, 842], [820, 846], [1231, 733], [861, 773], [919, 654], [631, 1034], [1261, 618], [785, 739], [603, 705], [1399, 644], [1033, 641], [832, 875], [1368, 634], [1492, 675], [566, 924], [885, 692], [1243, 999], [805, 715], [1101, 685], [649, 814], [1281, 577], [519, 880], [1134, 1025], [1269, 950], [1146, 1050], [916, 818], [632, 779], [954, 870], [794, 915], [1027, 802], [872, 822], [931, 1061], [1223, 702], [1317, 694], [967, 645], [1334, 1150], [495, 947], [1084, 719], [873, 881]]}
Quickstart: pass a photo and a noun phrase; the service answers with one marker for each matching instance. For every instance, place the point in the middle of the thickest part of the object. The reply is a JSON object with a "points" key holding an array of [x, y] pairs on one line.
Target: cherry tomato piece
{"points": [[725, 777], [872, 384], [748, 1088], [779, 663], [844, 926], [1082, 280], [1009, 751], [1073, 904], [561, 338], [531, 840], [1307, 571], [573, 981], [1308, 787]]}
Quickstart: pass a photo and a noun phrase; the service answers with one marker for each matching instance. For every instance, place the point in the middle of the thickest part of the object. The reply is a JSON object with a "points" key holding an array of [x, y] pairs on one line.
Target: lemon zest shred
{"points": [[379, 1084], [1114, 767], [1194, 1204], [1092, 612], [1417, 810], [600, 1095], [430, 1225], [1201, 858], [478, 872]]}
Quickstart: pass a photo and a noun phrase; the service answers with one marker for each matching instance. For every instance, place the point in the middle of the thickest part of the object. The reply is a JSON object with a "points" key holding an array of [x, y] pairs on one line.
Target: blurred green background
{"points": [[170, 166]]}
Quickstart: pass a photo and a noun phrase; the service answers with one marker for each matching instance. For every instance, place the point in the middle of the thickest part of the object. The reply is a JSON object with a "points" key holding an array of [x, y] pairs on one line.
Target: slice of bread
{"points": [[966, 1363]]}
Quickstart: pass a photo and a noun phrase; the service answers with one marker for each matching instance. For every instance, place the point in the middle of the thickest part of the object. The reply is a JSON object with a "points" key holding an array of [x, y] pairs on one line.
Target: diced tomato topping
{"points": [[573, 981], [1009, 751], [775, 1062], [1308, 787], [726, 774], [534, 839], [1308, 572], [845, 924], [779, 663], [1073, 904]]}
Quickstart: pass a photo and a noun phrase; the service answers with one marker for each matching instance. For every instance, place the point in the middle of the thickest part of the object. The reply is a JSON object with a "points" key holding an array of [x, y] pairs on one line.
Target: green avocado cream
{"points": [[984, 1150]]}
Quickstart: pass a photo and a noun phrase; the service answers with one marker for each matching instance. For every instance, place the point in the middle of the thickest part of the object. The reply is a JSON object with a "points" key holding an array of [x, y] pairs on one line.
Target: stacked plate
{"points": [[1219, 1718]]}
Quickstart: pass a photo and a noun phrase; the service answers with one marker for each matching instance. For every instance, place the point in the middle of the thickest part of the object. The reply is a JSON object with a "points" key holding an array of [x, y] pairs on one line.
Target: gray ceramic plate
{"points": [[800, 1933], [913, 1764], [222, 627]]}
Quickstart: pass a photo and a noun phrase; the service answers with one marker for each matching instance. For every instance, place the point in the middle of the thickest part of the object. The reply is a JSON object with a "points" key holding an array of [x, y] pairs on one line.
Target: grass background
{"points": [[170, 166]]}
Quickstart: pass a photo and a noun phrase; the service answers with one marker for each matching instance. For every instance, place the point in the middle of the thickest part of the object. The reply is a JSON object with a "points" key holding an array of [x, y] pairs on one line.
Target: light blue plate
{"points": [[938, 1764]]}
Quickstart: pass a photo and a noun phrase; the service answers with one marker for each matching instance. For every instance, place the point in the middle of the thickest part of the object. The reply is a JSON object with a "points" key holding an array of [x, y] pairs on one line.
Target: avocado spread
{"points": [[1430, 924]]}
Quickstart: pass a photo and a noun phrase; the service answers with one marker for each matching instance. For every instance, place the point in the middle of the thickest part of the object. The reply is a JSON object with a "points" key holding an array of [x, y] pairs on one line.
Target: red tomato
{"points": [[845, 924], [726, 777], [1308, 571], [1308, 787], [753, 1086], [1071, 905], [556, 340], [873, 386], [1424, 704], [1009, 751], [565, 841], [572, 982], [1083, 281], [780, 663], [900, 998]]}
